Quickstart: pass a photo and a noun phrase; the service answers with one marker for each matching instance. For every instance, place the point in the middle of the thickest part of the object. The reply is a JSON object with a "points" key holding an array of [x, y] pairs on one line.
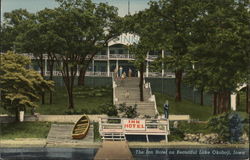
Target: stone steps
{"points": [[132, 86]]}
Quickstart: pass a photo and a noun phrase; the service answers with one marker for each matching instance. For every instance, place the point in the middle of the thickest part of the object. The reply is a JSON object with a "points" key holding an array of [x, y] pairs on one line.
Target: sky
{"points": [[36, 5]]}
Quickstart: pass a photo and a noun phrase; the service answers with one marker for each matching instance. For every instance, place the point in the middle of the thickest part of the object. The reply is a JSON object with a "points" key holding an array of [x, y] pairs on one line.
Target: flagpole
{"points": [[128, 7]]}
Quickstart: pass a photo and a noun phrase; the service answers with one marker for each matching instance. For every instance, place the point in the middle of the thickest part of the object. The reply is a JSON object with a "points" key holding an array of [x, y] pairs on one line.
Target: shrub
{"points": [[84, 111], [229, 126], [176, 134], [97, 137], [194, 128], [94, 111], [128, 111], [108, 109]]}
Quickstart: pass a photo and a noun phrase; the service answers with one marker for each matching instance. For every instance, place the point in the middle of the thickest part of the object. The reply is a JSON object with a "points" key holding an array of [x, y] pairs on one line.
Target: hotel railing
{"points": [[152, 57], [101, 74]]}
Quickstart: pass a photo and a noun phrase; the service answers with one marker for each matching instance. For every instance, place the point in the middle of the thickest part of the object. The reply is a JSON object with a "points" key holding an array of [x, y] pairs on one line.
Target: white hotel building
{"points": [[115, 55]]}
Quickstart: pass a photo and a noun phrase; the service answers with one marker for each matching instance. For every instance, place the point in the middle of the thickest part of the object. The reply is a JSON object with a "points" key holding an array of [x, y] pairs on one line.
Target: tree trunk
{"points": [[238, 99], [17, 115], [81, 78], [201, 100], [51, 63], [51, 66], [42, 74], [70, 99], [68, 78], [141, 81], [215, 104], [178, 78], [83, 71], [223, 102], [248, 99]]}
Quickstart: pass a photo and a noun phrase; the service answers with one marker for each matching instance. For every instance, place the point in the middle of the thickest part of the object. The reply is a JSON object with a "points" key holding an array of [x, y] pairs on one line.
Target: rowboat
{"points": [[81, 127]]}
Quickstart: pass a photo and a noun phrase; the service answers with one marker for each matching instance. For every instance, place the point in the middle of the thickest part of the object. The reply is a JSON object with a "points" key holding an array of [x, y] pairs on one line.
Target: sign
{"points": [[134, 124], [125, 39]]}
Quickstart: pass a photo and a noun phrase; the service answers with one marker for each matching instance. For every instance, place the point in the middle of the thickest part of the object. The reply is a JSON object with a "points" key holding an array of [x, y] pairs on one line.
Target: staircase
{"points": [[131, 85]]}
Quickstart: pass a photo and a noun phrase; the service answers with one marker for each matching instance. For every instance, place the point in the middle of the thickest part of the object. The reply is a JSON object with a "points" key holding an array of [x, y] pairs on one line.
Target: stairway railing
{"points": [[114, 88], [152, 98]]}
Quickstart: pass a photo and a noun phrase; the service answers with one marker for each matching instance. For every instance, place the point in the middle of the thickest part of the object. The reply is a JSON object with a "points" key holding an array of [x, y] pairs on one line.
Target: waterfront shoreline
{"points": [[40, 142]]}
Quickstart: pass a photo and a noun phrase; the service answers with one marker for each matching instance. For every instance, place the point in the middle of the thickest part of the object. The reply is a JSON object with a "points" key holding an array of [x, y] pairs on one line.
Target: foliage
{"points": [[219, 49], [194, 128], [128, 111], [172, 27], [177, 134], [68, 33], [25, 130], [228, 126], [109, 109], [97, 136], [20, 87], [15, 22]]}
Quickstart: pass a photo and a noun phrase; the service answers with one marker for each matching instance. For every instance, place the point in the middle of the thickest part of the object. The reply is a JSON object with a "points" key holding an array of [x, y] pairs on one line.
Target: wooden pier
{"points": [[116, 129], [112, 150]]}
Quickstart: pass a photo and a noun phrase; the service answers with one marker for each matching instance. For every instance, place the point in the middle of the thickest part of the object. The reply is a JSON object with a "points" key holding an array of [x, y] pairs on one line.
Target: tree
{"points": [[221, 48], [81, 27], [20, 87], [39, 40], [23, 36], [15, 22], [105, 25], [138, 24], [140, 51], [172, 29]]}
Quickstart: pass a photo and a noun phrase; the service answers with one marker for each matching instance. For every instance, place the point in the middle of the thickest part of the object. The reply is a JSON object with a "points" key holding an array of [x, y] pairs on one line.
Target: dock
{"points": [[114, 150]]}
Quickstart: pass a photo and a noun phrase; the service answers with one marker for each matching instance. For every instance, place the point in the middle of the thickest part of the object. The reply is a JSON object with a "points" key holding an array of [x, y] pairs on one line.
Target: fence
{"points": [[167, 86], [161, 85]]}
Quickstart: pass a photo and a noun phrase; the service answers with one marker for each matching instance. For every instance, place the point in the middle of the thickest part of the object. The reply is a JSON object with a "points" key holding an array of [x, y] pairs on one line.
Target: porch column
{"points": [[233, 101], [46, 66], [108, 63], [162, 65], [117, 65], [147, 66]]}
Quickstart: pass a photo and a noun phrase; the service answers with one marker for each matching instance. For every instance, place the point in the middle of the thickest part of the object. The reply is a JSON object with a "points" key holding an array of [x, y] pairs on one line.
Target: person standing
{"points": [[166, 109], [120, 71], [116, 72], [129, 72]]}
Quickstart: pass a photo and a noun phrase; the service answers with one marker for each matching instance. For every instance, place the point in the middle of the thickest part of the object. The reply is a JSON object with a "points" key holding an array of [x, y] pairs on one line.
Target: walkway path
{"points": [[114, 150], [131, 85], [62, 134]]}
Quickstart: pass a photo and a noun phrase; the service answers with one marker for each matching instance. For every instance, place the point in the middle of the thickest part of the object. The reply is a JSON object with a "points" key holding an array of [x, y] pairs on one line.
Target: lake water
{"points": [[138, 153], [36, 5]]}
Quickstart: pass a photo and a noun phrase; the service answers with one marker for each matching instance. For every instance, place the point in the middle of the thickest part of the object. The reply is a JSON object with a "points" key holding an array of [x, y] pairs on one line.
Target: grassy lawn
{"points": [[87, 100], [24, 130], [196, 111]]}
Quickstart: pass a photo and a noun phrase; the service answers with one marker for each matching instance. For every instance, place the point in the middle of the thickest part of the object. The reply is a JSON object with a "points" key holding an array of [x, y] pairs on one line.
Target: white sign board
{"points": [[134, 124], [125, 39]]}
